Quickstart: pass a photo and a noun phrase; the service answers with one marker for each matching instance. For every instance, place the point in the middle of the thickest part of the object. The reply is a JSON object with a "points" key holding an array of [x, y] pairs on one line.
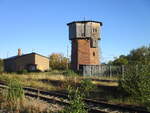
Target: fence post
{"points": [[137, 69], [122, 68], [38, 94], [110, 74]]}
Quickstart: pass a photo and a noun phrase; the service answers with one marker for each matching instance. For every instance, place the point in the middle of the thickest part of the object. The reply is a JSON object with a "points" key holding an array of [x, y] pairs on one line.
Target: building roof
{"points": [[15, 57], [85, 21]]}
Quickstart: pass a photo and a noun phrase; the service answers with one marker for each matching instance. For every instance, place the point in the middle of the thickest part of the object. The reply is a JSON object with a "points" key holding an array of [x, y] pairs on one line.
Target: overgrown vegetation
{"points": [[58, 61], [15, 90], [76, 96], [12, 100], [14, 95], [24, 71], [136, 56], [57, 81], [76, 101], [27, 105], [1, 66], [70, 72], [136, 82]]}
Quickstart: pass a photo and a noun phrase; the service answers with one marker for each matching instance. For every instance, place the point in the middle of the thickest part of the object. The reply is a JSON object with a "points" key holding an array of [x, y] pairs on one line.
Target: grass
{"points": [[27, 105], [104, 77], [46, 81], [105, 83], [56, 81]]}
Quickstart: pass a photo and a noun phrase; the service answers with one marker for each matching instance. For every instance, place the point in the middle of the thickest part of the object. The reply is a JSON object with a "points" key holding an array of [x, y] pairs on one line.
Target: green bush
{"points": [[70, 73], [1, 66], [15, 90], [87, 86], [136, 82], [76, 101], [76, 96], [24, 71]]}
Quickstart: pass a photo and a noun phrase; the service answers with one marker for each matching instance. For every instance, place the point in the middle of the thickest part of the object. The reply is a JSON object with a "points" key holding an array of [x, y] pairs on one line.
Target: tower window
{"points": [[94, 30], [93, 53]]}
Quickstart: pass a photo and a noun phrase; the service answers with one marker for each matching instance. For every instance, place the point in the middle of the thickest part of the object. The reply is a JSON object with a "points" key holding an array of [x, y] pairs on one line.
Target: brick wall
{"points": [[82, 53]]}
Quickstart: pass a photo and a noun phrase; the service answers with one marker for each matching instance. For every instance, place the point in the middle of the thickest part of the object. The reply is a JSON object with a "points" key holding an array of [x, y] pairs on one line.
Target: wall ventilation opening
{"points": [[93, 53]]}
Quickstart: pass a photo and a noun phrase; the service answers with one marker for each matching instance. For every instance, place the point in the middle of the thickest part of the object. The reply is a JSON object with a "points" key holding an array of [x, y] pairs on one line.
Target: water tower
{"points": [[84, 36]]}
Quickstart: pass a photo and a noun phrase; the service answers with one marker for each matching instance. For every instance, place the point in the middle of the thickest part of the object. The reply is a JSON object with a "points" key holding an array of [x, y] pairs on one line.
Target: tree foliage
{"points": [[136, 82], [58, 61], [1, 65], [136, 56]]}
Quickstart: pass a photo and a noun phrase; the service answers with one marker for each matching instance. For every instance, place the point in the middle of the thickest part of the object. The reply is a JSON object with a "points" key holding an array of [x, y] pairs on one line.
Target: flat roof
{"points": [[85, 22]]}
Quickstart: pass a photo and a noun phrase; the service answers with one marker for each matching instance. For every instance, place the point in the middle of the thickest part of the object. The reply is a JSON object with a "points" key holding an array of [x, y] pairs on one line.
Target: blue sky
{"points": [[40, 25]]}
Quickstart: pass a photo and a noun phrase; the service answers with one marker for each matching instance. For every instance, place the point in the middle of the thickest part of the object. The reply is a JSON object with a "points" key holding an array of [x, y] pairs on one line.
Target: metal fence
{"points": [[101, 70]]}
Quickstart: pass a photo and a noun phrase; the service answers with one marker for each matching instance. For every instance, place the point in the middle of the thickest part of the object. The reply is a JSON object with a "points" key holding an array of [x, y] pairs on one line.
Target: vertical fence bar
{"points": [[122, 68], [110, 73], [38, 92]]}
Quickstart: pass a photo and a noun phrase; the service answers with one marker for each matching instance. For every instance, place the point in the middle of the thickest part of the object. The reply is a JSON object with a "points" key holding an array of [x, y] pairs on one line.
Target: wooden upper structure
{"points": [[84, 29]]}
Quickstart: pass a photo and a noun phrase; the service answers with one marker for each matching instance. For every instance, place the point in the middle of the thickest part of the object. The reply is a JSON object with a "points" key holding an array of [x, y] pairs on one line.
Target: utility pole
{"points": [[7, 54]]}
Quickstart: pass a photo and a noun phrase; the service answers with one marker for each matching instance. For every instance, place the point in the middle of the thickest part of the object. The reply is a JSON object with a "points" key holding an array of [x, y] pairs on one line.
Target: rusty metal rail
{"points": [[94, 106]]}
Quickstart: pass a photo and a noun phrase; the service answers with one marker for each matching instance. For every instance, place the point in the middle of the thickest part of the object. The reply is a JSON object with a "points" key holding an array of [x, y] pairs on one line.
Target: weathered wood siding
{"points": [[84, 30]]}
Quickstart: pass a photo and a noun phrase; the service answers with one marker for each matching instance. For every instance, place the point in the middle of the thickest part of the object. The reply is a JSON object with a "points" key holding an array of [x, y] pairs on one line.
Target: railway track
{"points": [[93, 105]]}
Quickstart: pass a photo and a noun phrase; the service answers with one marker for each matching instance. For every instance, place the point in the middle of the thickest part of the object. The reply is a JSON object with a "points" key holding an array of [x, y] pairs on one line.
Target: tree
{"points": [[58, 61], [120, 61], [136, 82], [136, 56], [1, 65], [140, 56]]}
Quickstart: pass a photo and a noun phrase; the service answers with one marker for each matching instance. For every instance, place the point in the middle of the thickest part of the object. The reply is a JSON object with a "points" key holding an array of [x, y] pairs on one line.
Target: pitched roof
{"points": [[15, 57]]}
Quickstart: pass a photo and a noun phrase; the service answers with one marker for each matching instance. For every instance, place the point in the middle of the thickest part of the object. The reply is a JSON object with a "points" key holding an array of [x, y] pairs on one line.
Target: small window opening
{"points": [[94, 30], [93, 53]]}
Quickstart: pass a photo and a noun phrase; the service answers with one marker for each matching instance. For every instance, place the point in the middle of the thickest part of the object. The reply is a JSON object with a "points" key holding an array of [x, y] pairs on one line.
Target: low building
{"points": [[30, 62]]}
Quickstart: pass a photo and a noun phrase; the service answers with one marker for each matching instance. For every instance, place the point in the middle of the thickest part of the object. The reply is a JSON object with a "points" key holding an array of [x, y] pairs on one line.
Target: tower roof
{"points": [[85, 22]]}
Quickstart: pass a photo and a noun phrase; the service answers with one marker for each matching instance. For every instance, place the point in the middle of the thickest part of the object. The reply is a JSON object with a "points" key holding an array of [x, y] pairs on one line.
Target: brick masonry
{"points": [[82, 53]]}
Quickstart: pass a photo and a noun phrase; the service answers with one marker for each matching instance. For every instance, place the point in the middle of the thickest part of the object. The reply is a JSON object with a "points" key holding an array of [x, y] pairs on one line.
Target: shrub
{"points": [[1, 66], [76, 101], [136, 82], [76, 96], [24, 71], [15, 90], [87, 86], [70, 73]]}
